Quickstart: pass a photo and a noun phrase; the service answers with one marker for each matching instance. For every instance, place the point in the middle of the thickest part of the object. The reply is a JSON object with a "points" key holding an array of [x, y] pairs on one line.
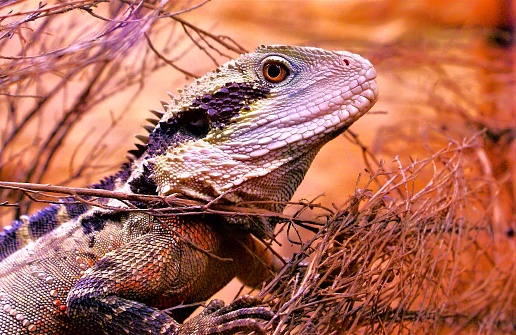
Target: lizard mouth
{"points": [[319, 120]]}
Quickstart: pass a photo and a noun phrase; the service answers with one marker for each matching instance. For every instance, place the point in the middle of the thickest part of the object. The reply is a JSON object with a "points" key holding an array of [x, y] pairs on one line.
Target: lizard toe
{"points": [[243, 314]]}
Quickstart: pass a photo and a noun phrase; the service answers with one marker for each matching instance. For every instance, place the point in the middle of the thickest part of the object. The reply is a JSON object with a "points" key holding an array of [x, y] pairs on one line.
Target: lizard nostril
{"points": [[345, 61]]}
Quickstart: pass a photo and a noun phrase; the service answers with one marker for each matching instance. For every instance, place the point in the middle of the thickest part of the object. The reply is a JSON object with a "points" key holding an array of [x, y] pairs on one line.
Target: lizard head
{"points": [[250, 129]]}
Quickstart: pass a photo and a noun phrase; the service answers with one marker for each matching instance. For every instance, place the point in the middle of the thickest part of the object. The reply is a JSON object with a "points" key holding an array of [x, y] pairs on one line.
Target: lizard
{"points": [[245, 132]]}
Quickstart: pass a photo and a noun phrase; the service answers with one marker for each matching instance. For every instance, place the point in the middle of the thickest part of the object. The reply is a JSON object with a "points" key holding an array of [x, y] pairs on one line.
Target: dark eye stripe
{"points": [[227, 102], [206, 112]]}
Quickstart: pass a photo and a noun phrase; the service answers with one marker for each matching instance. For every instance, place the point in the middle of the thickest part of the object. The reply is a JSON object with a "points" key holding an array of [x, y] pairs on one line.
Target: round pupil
{"points": [[274, 70]]}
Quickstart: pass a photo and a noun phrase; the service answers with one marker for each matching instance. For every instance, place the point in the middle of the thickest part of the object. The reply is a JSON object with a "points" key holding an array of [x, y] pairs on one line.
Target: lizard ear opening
{"points": [[196, 121]]}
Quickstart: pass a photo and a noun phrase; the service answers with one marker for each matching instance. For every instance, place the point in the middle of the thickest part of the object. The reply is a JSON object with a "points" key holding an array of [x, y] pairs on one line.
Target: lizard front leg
{"points": [[126, 291], [110, 297]]}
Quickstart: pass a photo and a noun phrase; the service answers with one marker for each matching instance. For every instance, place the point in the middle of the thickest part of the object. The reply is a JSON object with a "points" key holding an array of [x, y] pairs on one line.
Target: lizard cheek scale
{"points": [[248, 130]]}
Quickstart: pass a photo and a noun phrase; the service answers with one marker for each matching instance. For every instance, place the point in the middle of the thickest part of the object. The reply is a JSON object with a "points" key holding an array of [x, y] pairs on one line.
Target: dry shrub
{"points": [[403, 260]]}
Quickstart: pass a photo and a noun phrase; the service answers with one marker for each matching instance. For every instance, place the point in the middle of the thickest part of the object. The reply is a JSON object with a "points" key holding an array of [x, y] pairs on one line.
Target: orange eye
{"points": [[275, 72]]}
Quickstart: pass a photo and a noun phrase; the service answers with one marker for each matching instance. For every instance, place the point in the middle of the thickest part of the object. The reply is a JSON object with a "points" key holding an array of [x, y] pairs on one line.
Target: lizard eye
{"points": [[275, 71]]}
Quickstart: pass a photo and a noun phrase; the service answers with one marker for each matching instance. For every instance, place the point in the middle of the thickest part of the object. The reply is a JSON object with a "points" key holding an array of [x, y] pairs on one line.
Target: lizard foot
{"points": [[240, 315]]}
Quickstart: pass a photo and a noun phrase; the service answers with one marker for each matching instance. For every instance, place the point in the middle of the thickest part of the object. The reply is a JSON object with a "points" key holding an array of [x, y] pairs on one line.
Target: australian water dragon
{"points": [[247, 131]]}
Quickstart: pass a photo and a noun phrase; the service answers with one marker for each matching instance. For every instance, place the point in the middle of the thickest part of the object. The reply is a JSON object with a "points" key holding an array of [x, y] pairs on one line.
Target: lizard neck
{"points": [[273, 190]]}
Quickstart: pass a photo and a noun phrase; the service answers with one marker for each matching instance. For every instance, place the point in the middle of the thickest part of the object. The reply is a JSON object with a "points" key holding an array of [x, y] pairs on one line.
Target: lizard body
{"points": [[247, 131]]}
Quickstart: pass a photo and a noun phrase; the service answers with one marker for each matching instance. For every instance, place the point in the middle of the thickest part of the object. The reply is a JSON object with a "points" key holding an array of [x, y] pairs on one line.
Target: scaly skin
{"points": [[246, 131]]}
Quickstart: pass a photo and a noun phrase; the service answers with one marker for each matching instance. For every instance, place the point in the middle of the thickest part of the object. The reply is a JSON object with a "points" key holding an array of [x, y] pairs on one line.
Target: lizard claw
{"points": [[240, 315]]}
